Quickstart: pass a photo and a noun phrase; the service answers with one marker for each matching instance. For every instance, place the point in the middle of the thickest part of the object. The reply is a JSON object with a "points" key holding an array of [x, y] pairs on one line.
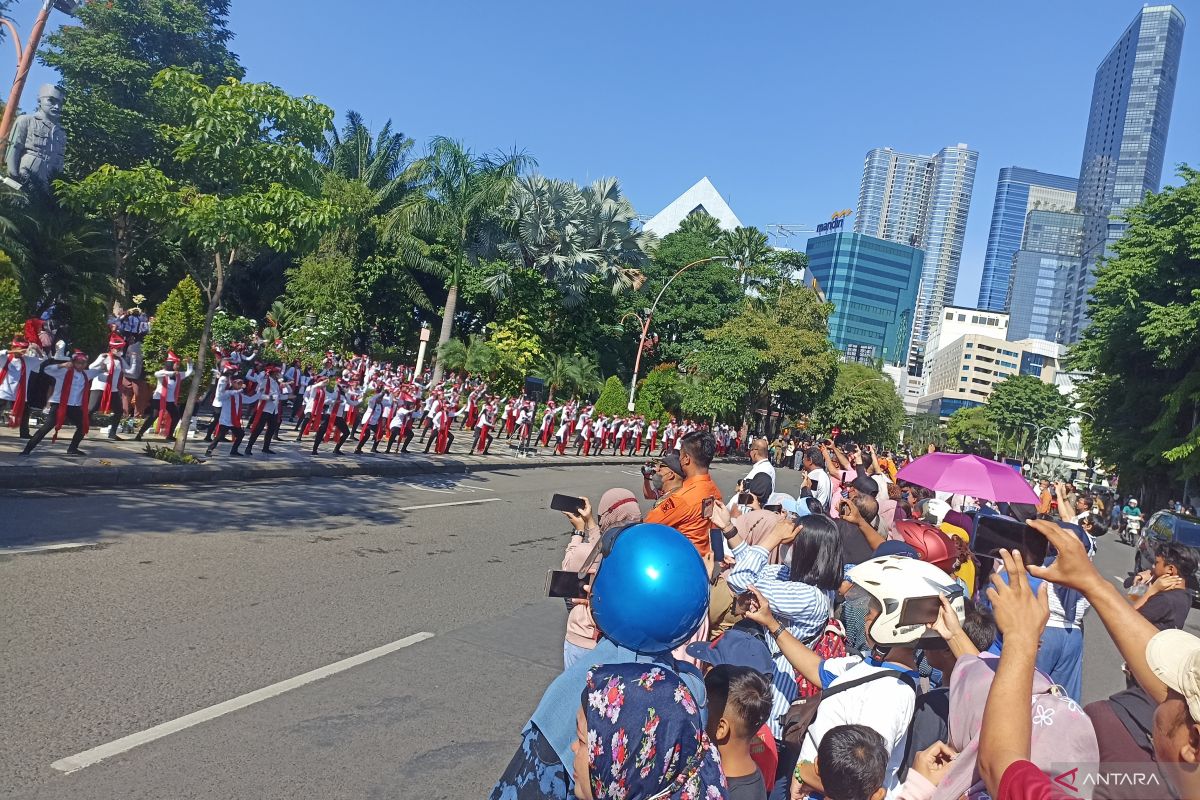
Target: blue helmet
{"points": [[651, 591]]}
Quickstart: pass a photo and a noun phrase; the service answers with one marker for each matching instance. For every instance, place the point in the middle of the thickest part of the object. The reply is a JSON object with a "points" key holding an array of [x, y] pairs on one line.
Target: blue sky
{"points": [[777, 102]]}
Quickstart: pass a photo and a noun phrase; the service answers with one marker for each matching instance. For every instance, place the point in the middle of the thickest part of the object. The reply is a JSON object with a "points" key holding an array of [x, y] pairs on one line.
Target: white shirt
{"points": [[885, 706], [18, 369], [270, 394], [822, 487], [106, 363], [173, 380], [232, 404], [79, 383], [765, 467]]}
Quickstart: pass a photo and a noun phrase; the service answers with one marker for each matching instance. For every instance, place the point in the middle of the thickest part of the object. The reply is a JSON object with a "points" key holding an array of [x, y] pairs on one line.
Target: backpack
{"points": [[799, 717], [830, 643]]}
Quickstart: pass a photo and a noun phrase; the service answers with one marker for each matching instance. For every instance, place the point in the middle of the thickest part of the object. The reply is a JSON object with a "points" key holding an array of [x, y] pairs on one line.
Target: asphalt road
{"points": [[186, 598]]}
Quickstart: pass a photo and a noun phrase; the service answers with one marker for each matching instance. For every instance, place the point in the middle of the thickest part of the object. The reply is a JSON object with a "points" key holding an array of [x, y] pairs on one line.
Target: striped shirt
{"points": [[803, 609]]}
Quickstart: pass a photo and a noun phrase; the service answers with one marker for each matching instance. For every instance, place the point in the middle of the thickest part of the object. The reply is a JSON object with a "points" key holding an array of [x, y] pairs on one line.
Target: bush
{"points": [[614, 398], [178, 323], [12, 310], [169, 455], [226, 329], [658, 394]]}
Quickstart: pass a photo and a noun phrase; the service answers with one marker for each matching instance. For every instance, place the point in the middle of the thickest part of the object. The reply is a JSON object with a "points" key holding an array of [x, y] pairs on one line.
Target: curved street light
{"points": [[645, 320]]}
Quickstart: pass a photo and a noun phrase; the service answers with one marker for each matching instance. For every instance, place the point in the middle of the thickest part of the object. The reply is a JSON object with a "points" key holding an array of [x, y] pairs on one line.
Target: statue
{"points": [[38, 143]]}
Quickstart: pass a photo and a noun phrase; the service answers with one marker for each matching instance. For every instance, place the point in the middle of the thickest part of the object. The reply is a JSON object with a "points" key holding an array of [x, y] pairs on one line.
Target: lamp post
{"points": [[25, 61], [421, 349], [637, 362]]}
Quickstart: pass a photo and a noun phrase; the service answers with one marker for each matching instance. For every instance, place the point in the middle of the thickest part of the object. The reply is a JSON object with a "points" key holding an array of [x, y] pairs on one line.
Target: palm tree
{"points": [[463, 192], [703, 223], [747, 249], [573, 237], [584, 375], [555, 370], [475, 356]]}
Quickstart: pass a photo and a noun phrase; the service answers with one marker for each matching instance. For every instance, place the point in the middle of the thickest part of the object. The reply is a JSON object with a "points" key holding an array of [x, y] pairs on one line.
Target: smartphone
{"points": [[706, 507], [745, 498], [993, 533], [717, 541], [565, 583], [920, 610], [565, 502]]}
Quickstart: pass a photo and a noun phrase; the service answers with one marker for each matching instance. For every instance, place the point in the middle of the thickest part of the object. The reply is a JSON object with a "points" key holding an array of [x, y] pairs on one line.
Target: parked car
{"points": [[1168, 526]]}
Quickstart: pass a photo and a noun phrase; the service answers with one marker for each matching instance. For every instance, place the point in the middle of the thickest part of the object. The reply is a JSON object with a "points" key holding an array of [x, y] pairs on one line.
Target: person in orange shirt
{"points": [[683, 510]]}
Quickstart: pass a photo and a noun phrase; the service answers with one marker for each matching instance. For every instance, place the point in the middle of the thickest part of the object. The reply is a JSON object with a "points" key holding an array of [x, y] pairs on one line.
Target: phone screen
{"points": [[993, 533], [706, 507], [920, 610], [745, 498], [565, 502], [564, 583]]}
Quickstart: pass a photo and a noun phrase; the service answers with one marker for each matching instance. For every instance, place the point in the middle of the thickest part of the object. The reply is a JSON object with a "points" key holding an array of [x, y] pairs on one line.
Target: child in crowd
{"points": [[739, 701]]}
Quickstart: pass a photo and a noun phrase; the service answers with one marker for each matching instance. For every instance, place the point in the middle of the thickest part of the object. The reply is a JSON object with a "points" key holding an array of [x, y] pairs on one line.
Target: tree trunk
{"points": [[120, 257], [447, 329], [214, 303]]}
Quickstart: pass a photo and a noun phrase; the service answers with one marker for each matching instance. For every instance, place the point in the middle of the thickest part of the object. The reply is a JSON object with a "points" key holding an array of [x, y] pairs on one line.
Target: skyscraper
{"points": [[1125, 143], [922, 202], [1018, 192], [1037, 280]]}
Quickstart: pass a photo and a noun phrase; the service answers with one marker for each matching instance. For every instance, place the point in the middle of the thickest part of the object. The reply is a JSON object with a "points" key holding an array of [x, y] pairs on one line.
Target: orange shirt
{"points": [[682, 510]]}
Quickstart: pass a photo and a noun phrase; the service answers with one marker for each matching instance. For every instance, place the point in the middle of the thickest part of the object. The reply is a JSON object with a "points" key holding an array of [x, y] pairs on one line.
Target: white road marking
{"points": [[45, 548], [457, 503], [125, 743], [429, 488]]}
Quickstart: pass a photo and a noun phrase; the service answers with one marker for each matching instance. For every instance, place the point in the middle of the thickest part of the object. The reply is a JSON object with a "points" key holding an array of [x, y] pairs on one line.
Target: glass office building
{"points": [[1049, 254], [1018, 191], [872, 284], [922, 202], [1125, 143]]}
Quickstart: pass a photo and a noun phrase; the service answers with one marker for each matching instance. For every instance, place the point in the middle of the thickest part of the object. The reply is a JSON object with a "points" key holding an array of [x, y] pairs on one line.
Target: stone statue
{"points": [[38, 142]]}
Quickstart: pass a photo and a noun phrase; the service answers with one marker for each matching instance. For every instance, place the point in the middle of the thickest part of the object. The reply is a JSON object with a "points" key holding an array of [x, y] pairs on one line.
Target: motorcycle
{"points": [[1130, 529]]}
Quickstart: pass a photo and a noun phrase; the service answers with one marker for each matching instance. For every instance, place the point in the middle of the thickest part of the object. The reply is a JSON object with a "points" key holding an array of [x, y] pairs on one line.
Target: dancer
{"points": [[166, 397]]}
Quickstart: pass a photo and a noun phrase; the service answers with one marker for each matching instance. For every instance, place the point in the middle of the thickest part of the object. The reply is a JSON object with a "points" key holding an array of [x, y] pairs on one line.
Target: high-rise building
{"points": [[920, 201], [1037, 280], [1018, 192], [872, 284], [1125, 143]]}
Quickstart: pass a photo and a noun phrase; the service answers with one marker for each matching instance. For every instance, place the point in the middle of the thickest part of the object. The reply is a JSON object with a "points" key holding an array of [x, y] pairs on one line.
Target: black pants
{"points": [[74, 417], [271, 423], [213, 423], [117, 408], [395, 434], [235, 434], [433, 437], [172, 411], [301, 425], [371, 432], [342, 427], [23, 421]]}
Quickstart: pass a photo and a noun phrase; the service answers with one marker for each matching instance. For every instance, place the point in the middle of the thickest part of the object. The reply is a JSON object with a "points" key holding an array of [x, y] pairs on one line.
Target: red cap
{"points": [[171, 357], [79, 355], [115, 342], [19, 343]]}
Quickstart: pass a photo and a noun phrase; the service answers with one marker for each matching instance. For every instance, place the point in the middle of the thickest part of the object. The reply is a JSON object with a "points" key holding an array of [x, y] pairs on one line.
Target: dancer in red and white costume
{"points": [[165, 405]]}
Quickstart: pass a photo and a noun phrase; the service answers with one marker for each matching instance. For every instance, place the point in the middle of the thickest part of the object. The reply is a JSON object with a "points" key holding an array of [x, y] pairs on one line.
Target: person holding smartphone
{"points": [[683, 509]]}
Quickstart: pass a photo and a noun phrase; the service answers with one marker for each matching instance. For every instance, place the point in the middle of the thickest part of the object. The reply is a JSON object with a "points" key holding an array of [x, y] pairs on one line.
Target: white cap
{"points": [[1174, 656], [937, 509]]}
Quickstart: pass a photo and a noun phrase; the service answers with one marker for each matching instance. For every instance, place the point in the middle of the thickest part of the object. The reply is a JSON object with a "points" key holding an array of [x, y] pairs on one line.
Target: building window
{"points": [[962, 317]]}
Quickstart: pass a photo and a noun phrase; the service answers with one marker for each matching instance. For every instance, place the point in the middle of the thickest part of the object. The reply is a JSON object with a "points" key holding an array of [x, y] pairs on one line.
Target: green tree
{"points": [[464, 193], [475, 356], [863, 403], [323, 284], [1021, 401], [749, 253], [248, 151], [107, 62], [970, 430], [518, 351], [1141, 353], [614, 397], [12, 310], [658, 394], [575, 238], [178, 325]]}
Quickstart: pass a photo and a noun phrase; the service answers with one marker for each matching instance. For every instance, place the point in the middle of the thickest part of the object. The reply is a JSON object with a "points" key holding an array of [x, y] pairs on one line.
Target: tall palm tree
{"points": [[574, 237], [748, 250], [584, 375], [555, 370], [463, 193]]}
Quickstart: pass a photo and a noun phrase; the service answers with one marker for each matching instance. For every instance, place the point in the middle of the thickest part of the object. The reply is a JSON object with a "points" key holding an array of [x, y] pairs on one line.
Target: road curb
{"points": [[129, 475]]}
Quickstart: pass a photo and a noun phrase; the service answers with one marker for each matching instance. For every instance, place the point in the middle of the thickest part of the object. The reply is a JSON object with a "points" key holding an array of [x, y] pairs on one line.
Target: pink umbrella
{"points": [[959, 473]]}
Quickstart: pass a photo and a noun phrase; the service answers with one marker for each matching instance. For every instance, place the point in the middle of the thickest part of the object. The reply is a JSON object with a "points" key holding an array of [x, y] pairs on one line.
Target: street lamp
{"points": [[25, 61], [645, 320]]}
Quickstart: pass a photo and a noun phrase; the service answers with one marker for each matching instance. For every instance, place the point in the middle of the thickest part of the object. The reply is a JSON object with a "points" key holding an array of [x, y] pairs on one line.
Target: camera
{"points": [[648, 469]]}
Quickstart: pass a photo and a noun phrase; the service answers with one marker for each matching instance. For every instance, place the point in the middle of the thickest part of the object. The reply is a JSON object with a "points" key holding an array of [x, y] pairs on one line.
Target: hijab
{"points": [[618, 507], [646, 738], [1062, 733]]}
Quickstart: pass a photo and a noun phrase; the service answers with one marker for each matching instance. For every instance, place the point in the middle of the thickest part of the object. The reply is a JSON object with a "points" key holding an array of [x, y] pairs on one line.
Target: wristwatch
{"points": [[775, 634], [729, 532]]}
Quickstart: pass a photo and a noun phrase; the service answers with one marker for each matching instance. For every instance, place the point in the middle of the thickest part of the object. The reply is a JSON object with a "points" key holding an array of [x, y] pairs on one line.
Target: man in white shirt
{"points": [[106, 389], [16, 365], [334, 415], [760, 464], [267, 410], [818, 479], [67, 400], [168, 382]]}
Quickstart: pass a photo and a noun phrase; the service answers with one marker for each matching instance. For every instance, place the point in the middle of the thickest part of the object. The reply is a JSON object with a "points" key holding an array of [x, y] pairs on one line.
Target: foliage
{"points": [[573, 238], [12, 310], [475, 356], [323, 283], [1020, 404], [463, 193], [718, 371], [658, 394], [178, 323], [614, 398], [924, 430], [747, 250], [518, 350], [226, 328], [169, 455], [863, 403], [107, 65], [1141, 353], [971, 430]]}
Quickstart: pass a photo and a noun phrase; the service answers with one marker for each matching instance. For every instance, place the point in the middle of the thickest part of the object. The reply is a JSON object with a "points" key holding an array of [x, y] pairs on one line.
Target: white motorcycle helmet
{"points": [[1133, 502], [908, 591]]}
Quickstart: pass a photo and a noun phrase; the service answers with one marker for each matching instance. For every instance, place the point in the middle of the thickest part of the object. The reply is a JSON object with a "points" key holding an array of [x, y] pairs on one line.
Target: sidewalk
{"points": [[125, 463]]}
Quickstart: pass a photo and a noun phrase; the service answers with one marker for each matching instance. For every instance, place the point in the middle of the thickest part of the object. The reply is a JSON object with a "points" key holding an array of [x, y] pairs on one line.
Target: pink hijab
{"points": [[617, 507], [1062, 733]]}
